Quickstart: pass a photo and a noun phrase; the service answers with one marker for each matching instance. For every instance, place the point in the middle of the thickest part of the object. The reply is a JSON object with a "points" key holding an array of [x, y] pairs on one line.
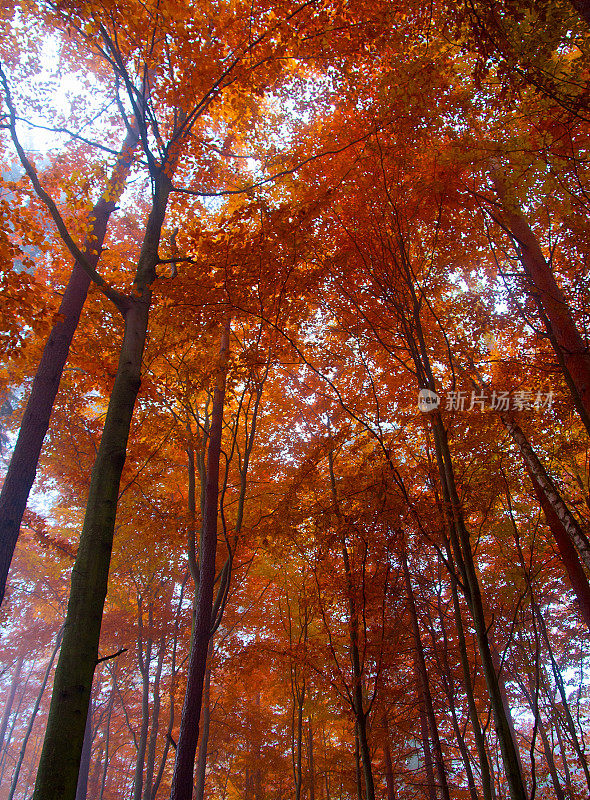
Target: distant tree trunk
{"points": [[33, 717], [106, 755], [25, 457], [357, 764], [547, 749], [82, 786], [298, 703], [9, 702], [199, 792], [182, 779], [60, 758], [155, 723], [310, 760], [461, 546], [353, 625], [448, 681], [425, 684], [487, 783], [144, 662], [389, 778], [428, 768], [570, 347]]}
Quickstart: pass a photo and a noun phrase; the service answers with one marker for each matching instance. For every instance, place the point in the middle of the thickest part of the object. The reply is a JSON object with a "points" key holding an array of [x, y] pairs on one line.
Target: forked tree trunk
{"points": [[60, 759], [182, 779], [25, 457]]}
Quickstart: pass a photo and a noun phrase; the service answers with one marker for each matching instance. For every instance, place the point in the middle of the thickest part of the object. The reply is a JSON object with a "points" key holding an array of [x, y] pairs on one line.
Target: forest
{"points": [[294, 400]]}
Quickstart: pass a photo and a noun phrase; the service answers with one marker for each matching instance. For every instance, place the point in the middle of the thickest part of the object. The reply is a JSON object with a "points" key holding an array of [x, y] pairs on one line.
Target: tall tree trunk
{"points": [[353, 626], [297, 748], [570, 347], [461, 545], [425, 684], [487, 783], [10, 700], [199, 792], [60, 759], [182, 779], [25, 457]]}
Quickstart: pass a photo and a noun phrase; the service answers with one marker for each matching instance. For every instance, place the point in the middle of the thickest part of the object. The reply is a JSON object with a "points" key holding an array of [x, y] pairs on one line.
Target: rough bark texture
{"points": [[60, 759], [25, 457], [182, 779]]}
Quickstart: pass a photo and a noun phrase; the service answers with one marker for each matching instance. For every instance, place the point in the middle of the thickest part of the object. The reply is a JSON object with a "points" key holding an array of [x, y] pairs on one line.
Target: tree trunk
{"points": [[428, 769], [205, 728], [29, 729], [389, 777], [551, 496], [461, 543], [570, 347], [182, 779], [10, 700], [310, 761], [425, 684], [144, 662], [25, 457], [155, 723], [86, 758], [60, 759], [487, 783]]}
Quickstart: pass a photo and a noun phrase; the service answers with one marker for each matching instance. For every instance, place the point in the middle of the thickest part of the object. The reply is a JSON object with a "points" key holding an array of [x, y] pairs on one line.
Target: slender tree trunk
{"points": [[144, 662], [25, 457], [353, 625], [310, 759], [357, 764], [199, 792], [86, 758], [155, 723], [425, 684], [389, 777], [529, 693], [60, 759], [487, 783], [428, 768], [298, 702], [10, 700], [182, 779], [107, 736], [570, 347], [29, 729], [461, 544]]}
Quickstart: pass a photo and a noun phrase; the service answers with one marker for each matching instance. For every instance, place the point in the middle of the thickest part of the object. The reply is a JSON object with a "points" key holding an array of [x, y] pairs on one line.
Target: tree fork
{"points": [[60, 758], [27, 450]]}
